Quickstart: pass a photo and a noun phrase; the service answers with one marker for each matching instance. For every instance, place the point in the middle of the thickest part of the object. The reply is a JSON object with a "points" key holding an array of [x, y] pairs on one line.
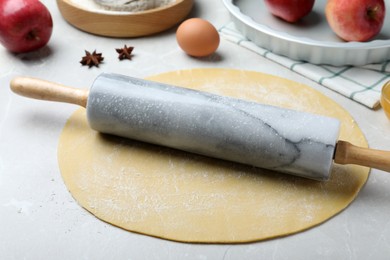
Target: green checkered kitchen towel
{"points": [[361, 84]]}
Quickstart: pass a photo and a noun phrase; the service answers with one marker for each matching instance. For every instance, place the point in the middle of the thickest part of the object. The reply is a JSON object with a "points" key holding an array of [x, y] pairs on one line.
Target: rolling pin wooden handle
{"points": [[45, 90], [347, 153]]}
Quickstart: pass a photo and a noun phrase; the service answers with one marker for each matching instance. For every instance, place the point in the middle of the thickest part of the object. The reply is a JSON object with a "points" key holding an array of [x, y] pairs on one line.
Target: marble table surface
{"points": [[39, 219]]}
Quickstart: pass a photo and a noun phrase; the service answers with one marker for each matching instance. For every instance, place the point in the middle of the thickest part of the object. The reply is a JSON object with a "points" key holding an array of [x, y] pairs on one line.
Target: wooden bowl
{"points": [[124, 24]]}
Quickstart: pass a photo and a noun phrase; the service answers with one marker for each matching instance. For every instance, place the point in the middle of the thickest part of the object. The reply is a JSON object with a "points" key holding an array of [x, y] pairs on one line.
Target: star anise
{"points": [[93, 59], [125, 52]]}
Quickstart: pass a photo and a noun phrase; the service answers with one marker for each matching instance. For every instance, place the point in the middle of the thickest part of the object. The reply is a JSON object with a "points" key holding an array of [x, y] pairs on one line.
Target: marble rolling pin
{"points": [[259, 135]]}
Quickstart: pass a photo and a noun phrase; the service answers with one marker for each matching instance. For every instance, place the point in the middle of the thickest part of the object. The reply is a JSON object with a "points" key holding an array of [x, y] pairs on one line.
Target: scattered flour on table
{"points": [[22, 206]]}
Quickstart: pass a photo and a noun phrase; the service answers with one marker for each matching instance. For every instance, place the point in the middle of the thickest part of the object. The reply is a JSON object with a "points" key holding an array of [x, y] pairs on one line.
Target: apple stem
{"points": [[371, 11], [32, 35]]}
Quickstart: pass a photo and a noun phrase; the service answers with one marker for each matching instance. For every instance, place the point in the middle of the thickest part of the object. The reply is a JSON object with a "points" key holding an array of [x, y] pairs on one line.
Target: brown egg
{"points": [[197, 37]]}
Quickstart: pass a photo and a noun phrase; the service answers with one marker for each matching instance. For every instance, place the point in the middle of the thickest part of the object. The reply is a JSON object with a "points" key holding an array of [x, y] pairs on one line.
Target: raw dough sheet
{"points": [[184, 197]]}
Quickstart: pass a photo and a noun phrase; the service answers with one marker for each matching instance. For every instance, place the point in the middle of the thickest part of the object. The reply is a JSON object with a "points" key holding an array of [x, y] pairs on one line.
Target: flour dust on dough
{"points": [[179, 196]]}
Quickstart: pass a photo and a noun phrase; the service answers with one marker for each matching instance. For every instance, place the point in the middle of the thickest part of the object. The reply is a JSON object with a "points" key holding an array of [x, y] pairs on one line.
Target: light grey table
{"points": [[39, 219]]}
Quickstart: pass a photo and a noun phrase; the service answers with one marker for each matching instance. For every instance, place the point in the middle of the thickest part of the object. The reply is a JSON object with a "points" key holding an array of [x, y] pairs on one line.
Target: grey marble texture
{"points": [[221, 127]]}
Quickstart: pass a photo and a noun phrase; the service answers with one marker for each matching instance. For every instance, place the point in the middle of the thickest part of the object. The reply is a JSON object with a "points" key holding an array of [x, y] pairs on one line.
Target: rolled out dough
{"points": [[184, 197]]}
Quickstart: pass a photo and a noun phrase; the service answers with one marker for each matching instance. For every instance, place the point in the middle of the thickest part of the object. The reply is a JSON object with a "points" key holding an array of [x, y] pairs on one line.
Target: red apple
{"points": [[290, 10], [25, 25], [355, 20]]}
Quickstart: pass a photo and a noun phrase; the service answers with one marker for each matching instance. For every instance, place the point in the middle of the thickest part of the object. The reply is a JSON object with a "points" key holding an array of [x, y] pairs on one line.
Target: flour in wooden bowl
{"points": [[122, 5]]}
